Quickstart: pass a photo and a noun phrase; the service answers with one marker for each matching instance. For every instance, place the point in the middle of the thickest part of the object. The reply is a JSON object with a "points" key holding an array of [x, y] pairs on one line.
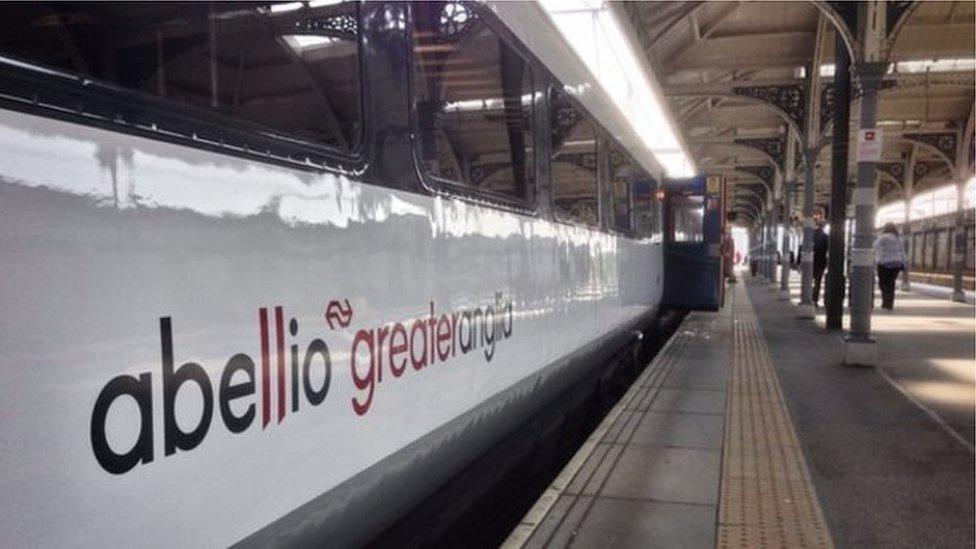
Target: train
{"points": [[929, 248], [272, 273]]}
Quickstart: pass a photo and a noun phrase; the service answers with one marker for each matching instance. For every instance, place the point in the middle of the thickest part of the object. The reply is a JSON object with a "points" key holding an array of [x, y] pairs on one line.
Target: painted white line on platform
{"points": [[935, 417]]}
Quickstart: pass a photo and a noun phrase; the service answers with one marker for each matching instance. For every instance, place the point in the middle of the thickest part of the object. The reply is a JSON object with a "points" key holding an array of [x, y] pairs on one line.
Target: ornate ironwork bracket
{"points": [[944, 142], [764, 173], [826, 106], [927, 168], [342, 26], [886, 187], [896, 170], [771, 146], [789, 98]]}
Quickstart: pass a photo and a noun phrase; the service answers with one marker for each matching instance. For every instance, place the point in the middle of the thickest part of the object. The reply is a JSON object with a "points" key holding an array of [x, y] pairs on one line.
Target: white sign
{"points": [[869, 145]]}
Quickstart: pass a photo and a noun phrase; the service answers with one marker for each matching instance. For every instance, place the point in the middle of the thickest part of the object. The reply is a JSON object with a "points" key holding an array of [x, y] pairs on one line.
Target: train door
{"points": [[693, 227]]}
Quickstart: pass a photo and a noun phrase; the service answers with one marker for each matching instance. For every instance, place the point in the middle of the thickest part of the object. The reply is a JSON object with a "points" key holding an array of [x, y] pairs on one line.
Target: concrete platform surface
{"points": [[890, 448], [748, 431]]}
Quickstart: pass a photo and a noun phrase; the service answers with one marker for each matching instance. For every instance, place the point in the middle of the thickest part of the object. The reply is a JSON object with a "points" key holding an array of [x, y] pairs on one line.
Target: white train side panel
{"points": [[202, 284]]}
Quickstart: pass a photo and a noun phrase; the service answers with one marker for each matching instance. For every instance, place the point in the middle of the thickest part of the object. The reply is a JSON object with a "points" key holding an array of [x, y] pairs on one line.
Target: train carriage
{"points": [[275, 272]]}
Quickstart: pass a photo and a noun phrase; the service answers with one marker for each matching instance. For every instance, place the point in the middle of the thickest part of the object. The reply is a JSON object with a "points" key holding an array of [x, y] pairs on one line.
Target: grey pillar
{"points": [[909, 192], [806, 255], [784, 269], [906, 234], [959, 249], [771, 243], [763, 245], [834, 294], [862, 252]]}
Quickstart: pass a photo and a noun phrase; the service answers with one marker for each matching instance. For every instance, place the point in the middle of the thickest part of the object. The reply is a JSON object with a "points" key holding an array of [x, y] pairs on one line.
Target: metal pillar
{"points": [[806, 254], [761, 243], [789, 185], [906, 235], [860, 345], [860, 348], [784, 263], [908, 192], [962, 175], [810, 153], [764, 244], [959, 249], [834, 295], [771, 243]]}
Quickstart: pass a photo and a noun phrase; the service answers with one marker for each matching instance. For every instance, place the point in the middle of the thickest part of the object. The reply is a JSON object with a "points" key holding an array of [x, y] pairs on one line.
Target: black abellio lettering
{"points": [[140, 389], [317, 347], [228, 392], [191, 371]]}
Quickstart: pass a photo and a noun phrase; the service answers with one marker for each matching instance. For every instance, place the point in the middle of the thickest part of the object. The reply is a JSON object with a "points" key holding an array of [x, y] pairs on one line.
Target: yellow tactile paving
{"points": [[767, 498]]}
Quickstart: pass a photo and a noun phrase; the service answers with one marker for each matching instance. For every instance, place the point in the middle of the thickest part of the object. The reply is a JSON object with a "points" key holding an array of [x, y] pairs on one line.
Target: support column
{"points": [[860, 346], [906, 236], [959, 249], [755, 241], [784, 263], [764, 245], [834, 294], [763, 272], [962, 174], [806, 309], [771, 243], [810, 153], [789, 184], [908, 191]]}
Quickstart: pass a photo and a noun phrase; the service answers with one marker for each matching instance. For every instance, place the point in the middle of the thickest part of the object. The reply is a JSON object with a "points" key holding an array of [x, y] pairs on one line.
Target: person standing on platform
{"points": [[820, 245], [728, 254], [891, 261]]}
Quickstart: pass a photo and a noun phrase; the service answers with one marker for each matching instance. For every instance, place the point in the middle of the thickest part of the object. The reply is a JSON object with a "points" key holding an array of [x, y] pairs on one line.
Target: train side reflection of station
{"points": [[540, 273]]}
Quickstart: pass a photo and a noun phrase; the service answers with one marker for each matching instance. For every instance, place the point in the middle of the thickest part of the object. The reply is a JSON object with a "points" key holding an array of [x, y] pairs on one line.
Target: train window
{"points": [[687, 218], [645, 204], [280, 70], [943, 250], [573, 163], [473, 95], [917, 248], [621, 196], [929, 260]]}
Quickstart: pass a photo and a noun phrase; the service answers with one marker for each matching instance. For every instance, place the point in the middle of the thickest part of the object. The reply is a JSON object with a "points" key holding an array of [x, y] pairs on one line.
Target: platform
{"points": [[747, 431]]}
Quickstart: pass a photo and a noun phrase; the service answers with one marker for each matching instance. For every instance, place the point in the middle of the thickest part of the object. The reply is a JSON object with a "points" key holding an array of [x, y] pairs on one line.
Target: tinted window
{"points": [[574, 162], [621, 196], [687, 218], [473, 96], [281, 69], [943, 250], [646, 205], [917, 245], [930, 250]]}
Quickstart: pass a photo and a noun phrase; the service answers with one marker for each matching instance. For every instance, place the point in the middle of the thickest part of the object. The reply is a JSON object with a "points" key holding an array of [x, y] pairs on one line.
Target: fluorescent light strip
{"points": [[593, 29]]}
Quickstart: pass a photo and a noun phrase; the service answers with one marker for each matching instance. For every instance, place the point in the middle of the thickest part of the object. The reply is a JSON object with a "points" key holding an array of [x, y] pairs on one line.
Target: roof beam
{"points": [[727, 9]]}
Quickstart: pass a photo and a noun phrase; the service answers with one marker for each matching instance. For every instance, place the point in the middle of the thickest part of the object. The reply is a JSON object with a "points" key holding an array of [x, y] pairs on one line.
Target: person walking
{"points": [[820, 245], [890, 257]]}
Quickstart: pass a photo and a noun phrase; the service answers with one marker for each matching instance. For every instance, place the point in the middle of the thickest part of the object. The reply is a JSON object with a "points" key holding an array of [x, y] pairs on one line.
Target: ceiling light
{"points": [[594, 30]]}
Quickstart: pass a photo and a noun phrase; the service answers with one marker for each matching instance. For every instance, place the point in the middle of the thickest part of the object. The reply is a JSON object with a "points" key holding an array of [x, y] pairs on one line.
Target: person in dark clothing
{"points": [[820, 245]]}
